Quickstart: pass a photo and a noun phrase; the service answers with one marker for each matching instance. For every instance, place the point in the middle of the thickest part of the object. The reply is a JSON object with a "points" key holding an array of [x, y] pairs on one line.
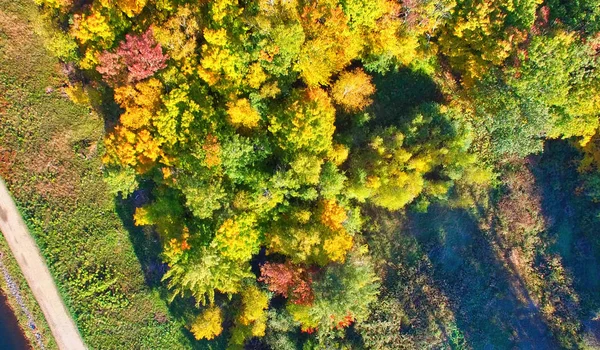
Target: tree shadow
{"points": [[398, 93], [573, 226], [146, 242], [147, 247], [490, 303]]}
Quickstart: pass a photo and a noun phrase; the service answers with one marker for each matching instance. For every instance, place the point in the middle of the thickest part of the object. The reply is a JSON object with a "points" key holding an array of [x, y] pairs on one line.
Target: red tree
{"points": [[288, 280], [111, 67], [137, 58], [142, 55]]}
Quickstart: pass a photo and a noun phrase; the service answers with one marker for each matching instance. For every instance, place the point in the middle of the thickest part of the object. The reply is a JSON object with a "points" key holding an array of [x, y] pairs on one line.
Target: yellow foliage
{"points": [[477, 39], [134, 149], [145, 94], [338, 154], [338, 246], [77, 94], [308, 123], [300, 242], [221, 8], [307, 168], [256, 76], [90, 59], [591, 154], [208, 324], [330, 44], [178, 36], [131, 7], [174, 248], [302, 216], [93, 27], [302, 315], [237, 238], [251, 320], [216, 37], [141, 217], [332, 214], [270, 90], [55, 3], [352, 90], [242, 114], [131, 142], [136, 118], [254, 304], [219, 61]]}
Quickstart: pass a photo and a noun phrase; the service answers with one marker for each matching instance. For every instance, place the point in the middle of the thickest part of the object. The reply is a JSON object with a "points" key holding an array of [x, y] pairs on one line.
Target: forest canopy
{"points": [[266, 132]]}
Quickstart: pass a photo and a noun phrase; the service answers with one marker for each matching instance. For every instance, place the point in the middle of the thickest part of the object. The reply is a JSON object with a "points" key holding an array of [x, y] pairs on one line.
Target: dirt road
{"points": [[37, 274]]}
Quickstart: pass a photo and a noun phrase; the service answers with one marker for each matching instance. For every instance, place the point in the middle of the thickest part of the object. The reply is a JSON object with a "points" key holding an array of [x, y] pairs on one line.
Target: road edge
{"points": [[37, 274]]}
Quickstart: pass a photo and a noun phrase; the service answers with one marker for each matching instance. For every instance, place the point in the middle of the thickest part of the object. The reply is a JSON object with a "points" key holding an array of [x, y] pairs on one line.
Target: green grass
{"points": [[49, 157]]}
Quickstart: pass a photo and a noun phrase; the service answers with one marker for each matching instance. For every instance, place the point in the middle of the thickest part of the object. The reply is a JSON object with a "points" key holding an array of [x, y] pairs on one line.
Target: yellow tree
{"points": [[352, 90], [132, 143], [479, 36], [306, 123], [237, 238], [242, 114], [252, 317], [208, 324], [330, 44]]}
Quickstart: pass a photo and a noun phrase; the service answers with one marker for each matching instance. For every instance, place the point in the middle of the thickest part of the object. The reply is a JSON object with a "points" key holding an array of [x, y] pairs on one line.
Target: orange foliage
{"points": [[333, 215], [212, 150], [132, 143]]}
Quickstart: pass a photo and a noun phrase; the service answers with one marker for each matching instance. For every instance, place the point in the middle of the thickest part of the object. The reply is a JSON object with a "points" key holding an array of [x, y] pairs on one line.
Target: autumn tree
{"points": [[142, 56], [552, 93], [208, 324], [352, 90], [342, 295], [482, 34], [426, 156], [252, 317], [288, 280], [227, 118]]}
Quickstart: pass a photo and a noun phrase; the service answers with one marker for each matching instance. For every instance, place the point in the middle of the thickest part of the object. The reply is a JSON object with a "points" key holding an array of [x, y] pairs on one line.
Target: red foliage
{"points": [[288, 280], [309, 330], [542, 20], [137, 58], [111, 67], [346, 321], [142, 55]]}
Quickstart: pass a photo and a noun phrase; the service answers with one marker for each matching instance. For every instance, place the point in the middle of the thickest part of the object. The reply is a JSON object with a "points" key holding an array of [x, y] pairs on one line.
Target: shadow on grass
{"points": [[147, 247], [490, 303], [573, 225]]}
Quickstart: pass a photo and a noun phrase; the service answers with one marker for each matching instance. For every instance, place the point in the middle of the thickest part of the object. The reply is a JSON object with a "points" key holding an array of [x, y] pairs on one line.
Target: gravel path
{"points": [[37, 274]]}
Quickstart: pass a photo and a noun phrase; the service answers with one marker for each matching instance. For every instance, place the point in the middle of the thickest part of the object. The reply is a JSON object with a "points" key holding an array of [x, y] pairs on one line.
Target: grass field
{"points": [[49, 157]]}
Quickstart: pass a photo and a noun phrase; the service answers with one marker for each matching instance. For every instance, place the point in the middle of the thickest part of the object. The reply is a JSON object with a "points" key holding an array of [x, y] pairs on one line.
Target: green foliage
{"points": [[426, 156], [578, 15], [551, 94], [239, 118], [343, 294], [121, 181], [68, 207]]}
